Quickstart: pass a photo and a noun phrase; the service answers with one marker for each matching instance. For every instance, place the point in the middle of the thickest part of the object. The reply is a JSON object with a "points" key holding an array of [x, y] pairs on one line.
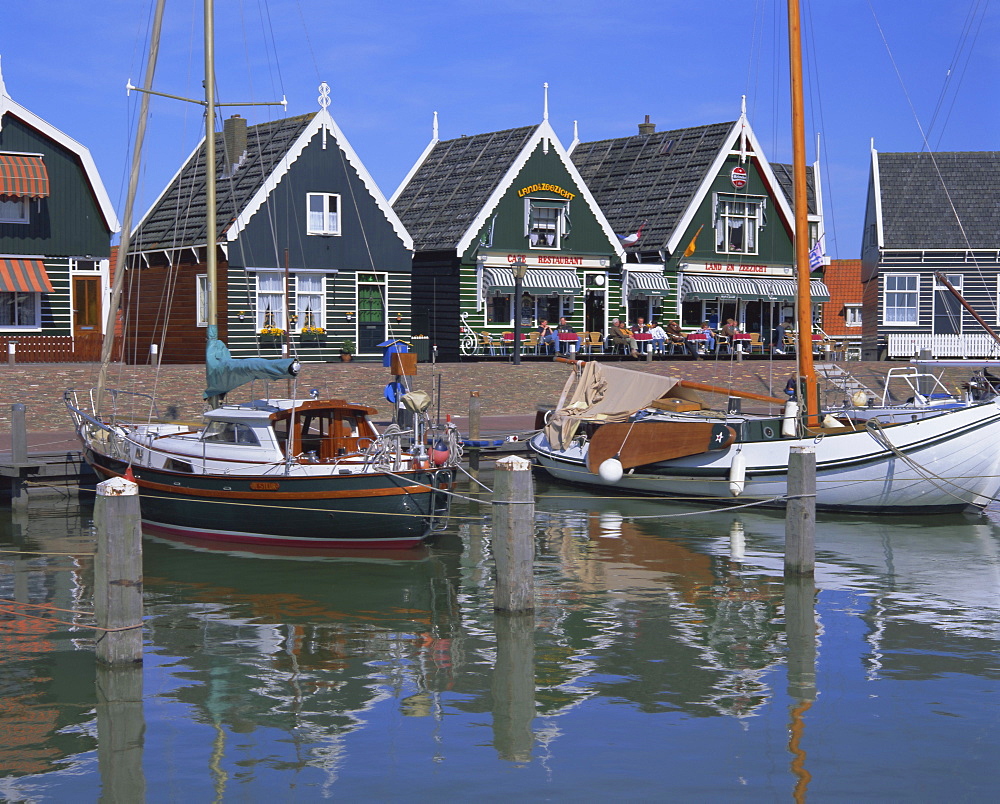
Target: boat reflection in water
{"points": [[652, 638]]}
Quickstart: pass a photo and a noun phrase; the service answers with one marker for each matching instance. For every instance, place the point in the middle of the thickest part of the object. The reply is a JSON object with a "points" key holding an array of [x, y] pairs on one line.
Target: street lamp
{"points": [[520, 268]]}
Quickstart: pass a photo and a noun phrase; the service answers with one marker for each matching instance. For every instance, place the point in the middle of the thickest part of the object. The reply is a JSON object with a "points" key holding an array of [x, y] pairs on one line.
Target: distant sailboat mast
{"points": [[803, 351]]}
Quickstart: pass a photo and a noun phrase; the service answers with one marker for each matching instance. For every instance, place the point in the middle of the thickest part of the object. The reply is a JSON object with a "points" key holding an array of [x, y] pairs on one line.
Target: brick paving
{"points": [[505, 390]]}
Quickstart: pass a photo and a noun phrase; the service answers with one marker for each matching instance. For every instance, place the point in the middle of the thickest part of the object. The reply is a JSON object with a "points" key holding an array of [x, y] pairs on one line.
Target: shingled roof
{"points": [[177, 218], [650, 177], [916, 211], [783, 173], [441, 200]]}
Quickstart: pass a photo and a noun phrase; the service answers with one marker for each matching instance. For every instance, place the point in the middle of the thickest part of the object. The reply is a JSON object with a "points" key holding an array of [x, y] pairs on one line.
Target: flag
{"points": [[632, 239], [816, 256], [694, 241]]}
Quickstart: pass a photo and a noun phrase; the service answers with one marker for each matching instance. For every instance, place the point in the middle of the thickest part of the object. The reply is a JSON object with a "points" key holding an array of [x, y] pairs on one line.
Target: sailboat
{"points": [[619, 429], [290, 472]]}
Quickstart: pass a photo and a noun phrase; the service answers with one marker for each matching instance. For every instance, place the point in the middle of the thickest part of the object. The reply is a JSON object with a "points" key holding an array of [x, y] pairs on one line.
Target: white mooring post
{"points": [[118, 572], [800, 512], [514, 535], [475, 418]]}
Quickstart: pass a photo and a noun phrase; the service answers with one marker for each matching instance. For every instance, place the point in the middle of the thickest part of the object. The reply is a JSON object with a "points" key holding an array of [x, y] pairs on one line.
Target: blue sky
{"points": [[392, 63]]}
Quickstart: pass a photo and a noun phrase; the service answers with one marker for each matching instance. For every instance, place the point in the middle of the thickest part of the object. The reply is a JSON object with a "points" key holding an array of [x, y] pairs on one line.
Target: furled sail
{"points": [[223, 372]]}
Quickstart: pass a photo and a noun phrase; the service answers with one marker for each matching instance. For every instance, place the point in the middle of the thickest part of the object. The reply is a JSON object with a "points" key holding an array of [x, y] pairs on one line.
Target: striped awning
{"points": [[645, 283], [23, 276], [537, 281], [23, 175], [745, 288]]}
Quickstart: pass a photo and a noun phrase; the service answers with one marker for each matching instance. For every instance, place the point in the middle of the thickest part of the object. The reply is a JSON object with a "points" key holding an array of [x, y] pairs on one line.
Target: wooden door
{"points": [[87, 317]]}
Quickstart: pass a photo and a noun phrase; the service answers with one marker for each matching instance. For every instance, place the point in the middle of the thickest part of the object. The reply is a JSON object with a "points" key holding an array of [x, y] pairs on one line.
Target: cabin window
{"points": [[900, 298], [738, 219], [323, 213], [270, 300], [230, 433], [201, 292], [13, 210], [309, 299], [20, 309], [546, 222], [852, 315]]}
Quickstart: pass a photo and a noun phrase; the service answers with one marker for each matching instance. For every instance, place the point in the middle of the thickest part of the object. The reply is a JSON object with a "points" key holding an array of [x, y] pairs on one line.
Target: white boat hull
{"points": [[937, 463]]}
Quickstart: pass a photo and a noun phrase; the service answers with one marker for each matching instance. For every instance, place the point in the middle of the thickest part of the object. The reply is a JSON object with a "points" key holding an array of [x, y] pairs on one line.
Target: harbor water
{"points": [[667, 658]]}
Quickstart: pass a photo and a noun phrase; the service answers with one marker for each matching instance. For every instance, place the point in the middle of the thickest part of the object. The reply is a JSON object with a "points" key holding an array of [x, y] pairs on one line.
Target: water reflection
{"points": [[360, 674]]}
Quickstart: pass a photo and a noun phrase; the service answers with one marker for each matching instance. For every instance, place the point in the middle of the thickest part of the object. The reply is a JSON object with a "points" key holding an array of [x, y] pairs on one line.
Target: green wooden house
{"points": [[310, 253], [714, 219], [56, 223], [477, 206]]}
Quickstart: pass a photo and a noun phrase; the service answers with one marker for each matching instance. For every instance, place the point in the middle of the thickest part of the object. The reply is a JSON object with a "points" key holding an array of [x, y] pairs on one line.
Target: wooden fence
{"points": [[52, 348], [974, 345]]}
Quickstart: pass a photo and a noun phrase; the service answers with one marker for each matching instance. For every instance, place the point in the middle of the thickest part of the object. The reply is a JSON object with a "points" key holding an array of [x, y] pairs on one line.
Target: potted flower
{"points": [[271, 334], [347, 350], [311, 333]]}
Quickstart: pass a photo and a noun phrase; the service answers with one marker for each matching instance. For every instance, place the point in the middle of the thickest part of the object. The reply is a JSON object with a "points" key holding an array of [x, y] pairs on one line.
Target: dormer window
{"points": [[546, 222], [323, 213], [738, 220]]}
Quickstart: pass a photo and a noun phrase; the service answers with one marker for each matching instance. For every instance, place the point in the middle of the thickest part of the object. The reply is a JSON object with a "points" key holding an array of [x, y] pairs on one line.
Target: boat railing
{"points": [[925, 388], [93, 431]]}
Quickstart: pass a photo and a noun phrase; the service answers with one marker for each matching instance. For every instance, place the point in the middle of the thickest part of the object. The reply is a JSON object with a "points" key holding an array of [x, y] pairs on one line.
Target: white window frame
{"points": [[302, 314], [15, 210], [201, 291], [324, 221], [915, 293], [752, 215], [35, 325], [270, 304], [852, 315], [556, 231]]}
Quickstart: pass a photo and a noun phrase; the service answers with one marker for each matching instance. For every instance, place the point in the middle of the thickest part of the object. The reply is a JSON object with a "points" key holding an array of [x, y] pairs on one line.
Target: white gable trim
{"points": [[877, 184], [8, 105], [322, 121], [547, 136], [742, 126]]}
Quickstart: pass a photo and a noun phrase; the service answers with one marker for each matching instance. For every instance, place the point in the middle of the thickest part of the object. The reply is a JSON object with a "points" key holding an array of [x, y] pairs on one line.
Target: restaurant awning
{"points": [[23, 175], [537, 281], [23, 276], [745, 288], [645, 283]]}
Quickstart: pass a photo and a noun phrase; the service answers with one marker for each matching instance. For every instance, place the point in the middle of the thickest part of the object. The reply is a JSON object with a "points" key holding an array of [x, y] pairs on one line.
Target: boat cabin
{"points": [[325, 431]]}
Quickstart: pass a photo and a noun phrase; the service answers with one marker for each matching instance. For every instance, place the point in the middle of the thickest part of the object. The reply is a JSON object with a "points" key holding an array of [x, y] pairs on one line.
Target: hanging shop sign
{"points": [[738, 268], [738, 177], [545, 188]]}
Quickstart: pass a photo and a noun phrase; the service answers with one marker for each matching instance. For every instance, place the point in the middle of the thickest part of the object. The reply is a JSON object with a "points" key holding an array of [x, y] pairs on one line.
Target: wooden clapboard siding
{"points": [[436, 301]]}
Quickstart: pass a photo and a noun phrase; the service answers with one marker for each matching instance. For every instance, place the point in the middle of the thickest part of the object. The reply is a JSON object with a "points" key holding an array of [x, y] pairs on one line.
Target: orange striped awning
{"points": [[23, 276], [23, 175]]}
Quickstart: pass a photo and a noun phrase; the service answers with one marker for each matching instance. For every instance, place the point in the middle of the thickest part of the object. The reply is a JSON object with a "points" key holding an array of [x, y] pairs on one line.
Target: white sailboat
{"points": [[635, 432]]}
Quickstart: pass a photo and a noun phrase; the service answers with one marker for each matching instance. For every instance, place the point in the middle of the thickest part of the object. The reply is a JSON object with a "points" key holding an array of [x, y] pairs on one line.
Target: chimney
{"points": [[234, 135], [647, 127]]}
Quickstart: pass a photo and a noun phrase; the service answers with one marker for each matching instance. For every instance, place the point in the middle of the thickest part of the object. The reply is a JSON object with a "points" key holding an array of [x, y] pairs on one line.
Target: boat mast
{"points": [[804, 347], [211, 264]]}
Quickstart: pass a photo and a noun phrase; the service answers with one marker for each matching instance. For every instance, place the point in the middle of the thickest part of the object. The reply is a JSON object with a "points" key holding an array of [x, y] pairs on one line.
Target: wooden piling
{"points": [[121, 728], [18, 434], [475, 416], [513, 687], [118, 572], [800, 512], [514, 535]]}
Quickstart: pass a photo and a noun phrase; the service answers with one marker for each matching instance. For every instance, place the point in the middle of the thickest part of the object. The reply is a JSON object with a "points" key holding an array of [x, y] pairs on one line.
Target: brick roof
{"points": [[917, 208], [448, 190], [178, 216]]}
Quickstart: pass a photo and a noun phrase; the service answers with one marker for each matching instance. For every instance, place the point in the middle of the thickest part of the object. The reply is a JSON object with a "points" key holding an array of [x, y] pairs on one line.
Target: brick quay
{"points": [[505, 390]]}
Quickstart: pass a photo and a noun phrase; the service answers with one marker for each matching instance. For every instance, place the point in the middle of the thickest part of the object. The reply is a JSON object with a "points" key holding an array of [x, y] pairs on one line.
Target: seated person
{"points": [[565, 327], [780, 335], [547, 336], [706, 330], [621, 336], [659, 336], [730, 330], [675, 335]]}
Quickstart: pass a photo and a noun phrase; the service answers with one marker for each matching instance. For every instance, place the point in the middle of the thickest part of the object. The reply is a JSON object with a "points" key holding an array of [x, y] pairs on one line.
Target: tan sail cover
{"points": [[605, 393]]}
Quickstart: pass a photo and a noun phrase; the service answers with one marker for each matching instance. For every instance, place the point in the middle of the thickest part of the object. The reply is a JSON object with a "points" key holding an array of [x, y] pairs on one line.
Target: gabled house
{"points": [[931, 216], [842, 315], [56, 223], [307, 245], [715, 223], [476, 207]]}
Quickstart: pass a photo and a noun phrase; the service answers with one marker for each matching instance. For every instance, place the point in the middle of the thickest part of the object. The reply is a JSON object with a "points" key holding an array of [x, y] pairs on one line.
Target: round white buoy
{"points": [[611, 470], [737, 474]]}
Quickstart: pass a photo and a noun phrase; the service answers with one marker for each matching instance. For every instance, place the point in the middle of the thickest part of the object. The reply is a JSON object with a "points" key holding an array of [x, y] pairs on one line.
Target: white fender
{"points": [[611, 470], [737, 474], [788, 423]]}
